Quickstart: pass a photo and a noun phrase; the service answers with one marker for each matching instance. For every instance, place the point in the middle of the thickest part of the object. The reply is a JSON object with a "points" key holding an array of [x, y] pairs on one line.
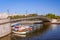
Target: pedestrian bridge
{"points": [[37, 18]]}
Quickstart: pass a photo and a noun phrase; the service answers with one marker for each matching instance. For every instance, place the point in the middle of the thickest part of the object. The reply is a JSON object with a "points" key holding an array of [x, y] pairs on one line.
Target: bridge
{"points": [[37, 18]]}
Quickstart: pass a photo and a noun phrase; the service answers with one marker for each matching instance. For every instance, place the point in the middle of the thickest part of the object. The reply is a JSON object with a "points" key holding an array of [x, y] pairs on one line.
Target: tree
{"points": [[32, 15], [50, 15]]}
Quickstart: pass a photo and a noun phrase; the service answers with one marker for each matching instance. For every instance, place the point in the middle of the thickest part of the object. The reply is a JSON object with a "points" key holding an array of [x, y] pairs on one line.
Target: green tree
{"points": [[32, 15], [50, 15]]}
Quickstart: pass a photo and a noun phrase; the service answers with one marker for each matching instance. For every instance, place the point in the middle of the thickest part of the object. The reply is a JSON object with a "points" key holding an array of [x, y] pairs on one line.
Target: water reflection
{"points": [[53, 27], [39, 31], [35, 33], [45, 32]]}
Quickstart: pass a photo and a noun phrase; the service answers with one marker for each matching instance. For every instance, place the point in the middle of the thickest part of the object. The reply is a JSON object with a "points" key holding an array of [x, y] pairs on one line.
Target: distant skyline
{"points": [[32, 6]]}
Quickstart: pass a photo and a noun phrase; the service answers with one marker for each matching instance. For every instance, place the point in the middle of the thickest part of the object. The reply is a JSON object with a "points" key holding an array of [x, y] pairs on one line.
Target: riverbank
{"points": [[55, 23]]}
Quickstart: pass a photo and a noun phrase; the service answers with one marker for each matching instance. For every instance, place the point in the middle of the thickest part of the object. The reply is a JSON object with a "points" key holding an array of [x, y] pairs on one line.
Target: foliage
{"points": [[22, 16], [50, 15], [30, 15]]}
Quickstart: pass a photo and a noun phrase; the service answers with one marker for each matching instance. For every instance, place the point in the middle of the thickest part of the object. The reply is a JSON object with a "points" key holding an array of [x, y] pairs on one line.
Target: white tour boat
{"points": [[21, 29]]}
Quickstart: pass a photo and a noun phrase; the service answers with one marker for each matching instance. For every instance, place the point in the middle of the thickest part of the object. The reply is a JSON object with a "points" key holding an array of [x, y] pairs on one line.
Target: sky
{"points": [[30, 6]]}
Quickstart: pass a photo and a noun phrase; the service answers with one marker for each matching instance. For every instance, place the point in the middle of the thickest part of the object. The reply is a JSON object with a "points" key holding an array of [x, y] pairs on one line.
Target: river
{"points": [[45, 32]]}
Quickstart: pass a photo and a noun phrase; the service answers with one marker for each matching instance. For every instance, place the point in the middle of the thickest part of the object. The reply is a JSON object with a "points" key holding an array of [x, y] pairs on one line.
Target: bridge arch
{"points": [[37, 18]]}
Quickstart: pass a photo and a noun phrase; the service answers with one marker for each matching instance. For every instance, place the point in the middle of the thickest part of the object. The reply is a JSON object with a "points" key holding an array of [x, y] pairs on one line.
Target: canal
{"points": [[45, 32]]}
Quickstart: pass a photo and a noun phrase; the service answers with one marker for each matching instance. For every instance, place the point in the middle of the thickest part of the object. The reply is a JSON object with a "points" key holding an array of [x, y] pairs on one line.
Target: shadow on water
{"points": [[43, 28], [39, 31], [45, 31], [30, 36]]}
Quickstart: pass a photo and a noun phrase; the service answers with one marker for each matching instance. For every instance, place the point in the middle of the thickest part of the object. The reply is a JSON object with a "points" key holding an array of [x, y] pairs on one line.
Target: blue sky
{"points": [[32, 6]]}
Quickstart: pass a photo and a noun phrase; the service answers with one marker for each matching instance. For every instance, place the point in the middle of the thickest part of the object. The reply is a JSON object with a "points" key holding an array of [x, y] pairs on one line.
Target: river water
{"points": [[45, 32]]}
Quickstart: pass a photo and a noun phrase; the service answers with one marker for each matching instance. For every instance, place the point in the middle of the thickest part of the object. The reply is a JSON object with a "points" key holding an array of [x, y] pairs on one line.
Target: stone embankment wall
{"points": [[5, 28]]}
